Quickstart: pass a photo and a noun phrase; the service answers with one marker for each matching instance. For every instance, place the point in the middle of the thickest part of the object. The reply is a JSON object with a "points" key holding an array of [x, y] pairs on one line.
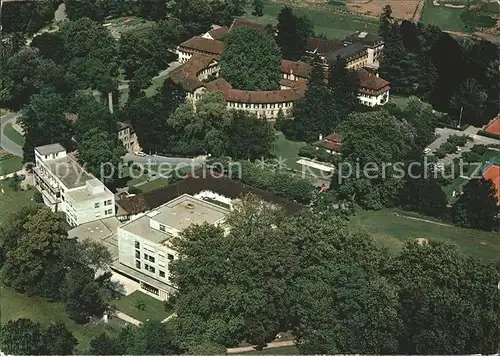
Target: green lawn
{"points": [[12, 134], [400, 101], [288, 151], [332, 21], [154, 308], [154, 184], [444, 17], [10, 164], [393, 231], [138, 25], [285, 350], [12, 201], [15, 305]]}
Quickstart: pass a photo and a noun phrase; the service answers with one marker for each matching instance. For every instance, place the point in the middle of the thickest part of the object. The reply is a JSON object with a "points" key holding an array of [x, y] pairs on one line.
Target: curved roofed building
{"points": [[200, 74]]}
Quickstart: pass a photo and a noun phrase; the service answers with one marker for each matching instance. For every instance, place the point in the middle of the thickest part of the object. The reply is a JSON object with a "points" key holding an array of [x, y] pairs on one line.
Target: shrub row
{"points": [[310, 151], [282, 184], [488, 134]]}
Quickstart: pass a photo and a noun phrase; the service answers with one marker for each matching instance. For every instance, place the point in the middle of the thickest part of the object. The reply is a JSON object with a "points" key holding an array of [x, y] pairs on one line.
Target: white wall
{"points": [[374, 100]]}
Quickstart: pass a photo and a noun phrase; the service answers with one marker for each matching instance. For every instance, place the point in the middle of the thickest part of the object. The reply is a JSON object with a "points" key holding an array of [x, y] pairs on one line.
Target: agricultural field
{"points": [[333, 21], [408, 9]]}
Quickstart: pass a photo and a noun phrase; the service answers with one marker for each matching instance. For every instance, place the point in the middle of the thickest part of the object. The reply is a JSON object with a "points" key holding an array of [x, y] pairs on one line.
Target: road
{"points": [[6, 143]]}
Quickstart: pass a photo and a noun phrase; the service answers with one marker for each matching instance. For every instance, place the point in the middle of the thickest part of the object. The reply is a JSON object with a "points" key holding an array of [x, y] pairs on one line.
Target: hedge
{"points": [[451, 126], [488, 134], [283, 184]]}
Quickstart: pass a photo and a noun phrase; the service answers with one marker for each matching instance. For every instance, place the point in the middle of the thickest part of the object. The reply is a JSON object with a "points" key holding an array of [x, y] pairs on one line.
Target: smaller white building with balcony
{"points": [[66, 187]]}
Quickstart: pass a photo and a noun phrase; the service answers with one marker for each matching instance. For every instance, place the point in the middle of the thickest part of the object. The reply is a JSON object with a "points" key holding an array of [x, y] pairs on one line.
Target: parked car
{"points": [[459, 149], [140, 154], [427, 151]]}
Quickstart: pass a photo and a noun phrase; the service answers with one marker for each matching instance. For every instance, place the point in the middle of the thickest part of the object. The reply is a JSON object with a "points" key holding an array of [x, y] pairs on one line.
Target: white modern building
{"points": [[65, 186], [145, 247]]}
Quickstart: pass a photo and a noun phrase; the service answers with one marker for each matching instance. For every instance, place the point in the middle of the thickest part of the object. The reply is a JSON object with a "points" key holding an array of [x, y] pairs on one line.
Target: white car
{"points": [[427, 151], [140, 154], [459, 149]]}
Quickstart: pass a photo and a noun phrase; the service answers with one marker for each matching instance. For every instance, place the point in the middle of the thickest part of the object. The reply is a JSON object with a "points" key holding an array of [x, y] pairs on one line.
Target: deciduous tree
{"points": [[477, 207], [101, 154], [251, 60]]}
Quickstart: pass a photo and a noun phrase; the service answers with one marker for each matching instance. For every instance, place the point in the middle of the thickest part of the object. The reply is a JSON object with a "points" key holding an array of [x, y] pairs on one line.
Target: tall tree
{"points": [[92, 114], [149, 115], [249, 138], [59, 340], [292, 34], [385, 22], [50, 45], [27, 17], [81, 294], [43, 122], [344, 85], [258, 8], [22, 337], [101, 154], [477, 207], [371, 144], [437, 285], [34, 257], [251, 60], [469, 102]]}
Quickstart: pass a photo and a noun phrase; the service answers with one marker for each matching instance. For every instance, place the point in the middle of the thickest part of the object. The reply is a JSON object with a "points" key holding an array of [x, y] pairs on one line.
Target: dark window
{"points": [[151, 258], [146, 256], [152, 269], [162, 227], [162, 274], [137, 245], [137, 254], [170, 257], [138, 264]]}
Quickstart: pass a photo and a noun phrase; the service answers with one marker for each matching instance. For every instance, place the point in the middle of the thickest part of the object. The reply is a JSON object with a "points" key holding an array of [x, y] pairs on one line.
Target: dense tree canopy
{"points": [[251, 60], [24, 337], [44, 122], [477, 207], [292, 34], [101, 152], [27, 16]]}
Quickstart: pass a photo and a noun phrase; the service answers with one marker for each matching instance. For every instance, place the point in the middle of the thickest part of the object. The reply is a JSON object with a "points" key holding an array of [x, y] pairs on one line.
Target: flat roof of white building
{"points": [[71, 174], [49, 149], [83, 194], [178, 214]]}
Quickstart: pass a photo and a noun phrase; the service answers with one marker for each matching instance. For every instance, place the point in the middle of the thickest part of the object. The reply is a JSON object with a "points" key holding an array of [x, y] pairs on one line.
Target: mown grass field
{"points": [[153, 308], [13, 135], [12, 201], [14, 305], [444, 17], [393, 231], [327, 20], [10, 163]]}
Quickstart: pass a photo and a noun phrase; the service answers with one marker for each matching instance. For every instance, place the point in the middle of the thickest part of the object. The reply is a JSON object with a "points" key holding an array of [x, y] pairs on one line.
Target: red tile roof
{"points": [[371, 84], [198, 43], [331, 142], [493, 127], [219, 33], [493, 174], [300, 69], [186, 74]]}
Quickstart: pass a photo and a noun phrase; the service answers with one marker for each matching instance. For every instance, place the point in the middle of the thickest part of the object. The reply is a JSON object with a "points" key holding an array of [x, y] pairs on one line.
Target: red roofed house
{"points": [[373, 90], [216, 33], [493, 173], [493, 126], [331, 143]]}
